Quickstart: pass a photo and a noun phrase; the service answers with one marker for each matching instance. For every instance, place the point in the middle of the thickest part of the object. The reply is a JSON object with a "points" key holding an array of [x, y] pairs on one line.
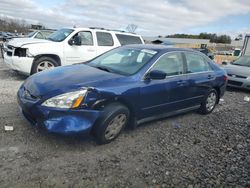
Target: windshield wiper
{"points": [[103, 68], [50, 39]]}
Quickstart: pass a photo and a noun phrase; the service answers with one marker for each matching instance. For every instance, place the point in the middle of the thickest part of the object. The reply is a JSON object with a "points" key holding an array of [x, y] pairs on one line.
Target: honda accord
{"points": [[126, 86]]}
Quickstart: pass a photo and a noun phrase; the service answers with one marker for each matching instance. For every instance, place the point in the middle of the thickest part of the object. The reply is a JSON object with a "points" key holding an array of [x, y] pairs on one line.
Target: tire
{"points": [[107, 127], [43, 61], [212, 98]]}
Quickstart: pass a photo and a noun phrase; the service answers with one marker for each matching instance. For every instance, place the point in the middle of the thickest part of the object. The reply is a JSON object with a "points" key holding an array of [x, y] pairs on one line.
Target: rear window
{"points": [[128, 39], [196, 63]]}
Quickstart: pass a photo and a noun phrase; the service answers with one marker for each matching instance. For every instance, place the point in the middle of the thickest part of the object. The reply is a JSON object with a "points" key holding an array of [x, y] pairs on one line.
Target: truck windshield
{"points": [[31, 34], [60, 35]]}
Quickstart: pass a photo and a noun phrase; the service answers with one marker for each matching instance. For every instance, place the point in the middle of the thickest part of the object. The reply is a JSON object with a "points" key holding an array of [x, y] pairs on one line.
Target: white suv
{"points": [[64, 47]]}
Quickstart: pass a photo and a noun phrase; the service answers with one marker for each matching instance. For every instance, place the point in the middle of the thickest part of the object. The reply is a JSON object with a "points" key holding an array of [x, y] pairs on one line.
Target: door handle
{"points": [[181, 82], [210, 76]]}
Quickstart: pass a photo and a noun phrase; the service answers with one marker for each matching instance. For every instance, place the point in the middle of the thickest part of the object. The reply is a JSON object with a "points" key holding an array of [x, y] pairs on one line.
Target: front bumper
{"points": [[20, 64], [238, 83], [54, 120]]}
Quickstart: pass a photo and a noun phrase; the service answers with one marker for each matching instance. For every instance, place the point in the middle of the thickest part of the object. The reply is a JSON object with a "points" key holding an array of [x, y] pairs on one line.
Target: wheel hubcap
{"points": [[44, 65], [211, 101], [115, 126]]}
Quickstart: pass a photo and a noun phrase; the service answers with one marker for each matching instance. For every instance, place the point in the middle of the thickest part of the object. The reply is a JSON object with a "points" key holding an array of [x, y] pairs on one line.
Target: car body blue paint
{"points": [[143, 97], [64, 121]]}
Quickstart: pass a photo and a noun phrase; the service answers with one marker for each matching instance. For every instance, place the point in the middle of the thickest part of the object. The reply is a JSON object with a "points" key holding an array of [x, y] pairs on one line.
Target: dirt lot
{"points": [[188, 150]]}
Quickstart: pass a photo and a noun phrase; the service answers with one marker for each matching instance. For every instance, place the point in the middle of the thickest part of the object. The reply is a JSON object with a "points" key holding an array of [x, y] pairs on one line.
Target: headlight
{"points": [[248, 78], [67, 100], [28, 54]]}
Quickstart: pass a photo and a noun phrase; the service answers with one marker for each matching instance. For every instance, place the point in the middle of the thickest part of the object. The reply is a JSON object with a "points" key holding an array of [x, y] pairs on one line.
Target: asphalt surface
{"points": [[188, 150]]}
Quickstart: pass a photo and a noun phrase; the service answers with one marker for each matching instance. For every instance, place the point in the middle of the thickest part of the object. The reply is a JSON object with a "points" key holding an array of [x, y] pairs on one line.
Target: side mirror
{"points": [[224, 63], [156, 75], [76, 40]]}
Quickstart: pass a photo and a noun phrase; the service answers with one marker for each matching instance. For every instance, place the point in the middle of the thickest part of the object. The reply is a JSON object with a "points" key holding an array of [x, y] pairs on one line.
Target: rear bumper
{"points": [[238, 83], [54, 120], [20, 64]]}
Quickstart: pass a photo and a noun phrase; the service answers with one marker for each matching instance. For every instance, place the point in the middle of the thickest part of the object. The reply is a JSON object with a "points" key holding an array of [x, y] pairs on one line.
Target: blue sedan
{"points": [[126, 86]]}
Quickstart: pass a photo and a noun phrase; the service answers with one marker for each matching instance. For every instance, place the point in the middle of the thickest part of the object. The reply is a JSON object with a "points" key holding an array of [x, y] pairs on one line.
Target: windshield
{"points": [[60, 35], [31, 34], [243, 61], [125, 61]]}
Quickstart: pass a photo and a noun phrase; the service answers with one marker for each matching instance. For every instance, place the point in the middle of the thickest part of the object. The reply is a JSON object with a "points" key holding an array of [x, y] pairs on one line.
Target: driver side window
{"points": [[86, 38], [170, 63]]}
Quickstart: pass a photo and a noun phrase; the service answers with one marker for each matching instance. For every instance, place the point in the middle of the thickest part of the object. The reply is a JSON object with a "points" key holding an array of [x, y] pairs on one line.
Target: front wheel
{"points": [[108, 127], [43, 63], [209, 103]]}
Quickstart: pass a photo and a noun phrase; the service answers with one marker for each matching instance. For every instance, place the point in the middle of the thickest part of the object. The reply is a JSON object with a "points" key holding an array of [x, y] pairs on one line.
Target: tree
{"points": [[13, 25], [214, 38], [131, 28]]}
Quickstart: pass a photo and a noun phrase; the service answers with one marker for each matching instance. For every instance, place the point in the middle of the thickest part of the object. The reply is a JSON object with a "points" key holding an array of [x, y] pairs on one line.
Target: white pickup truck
{"points": [[64, 47]]}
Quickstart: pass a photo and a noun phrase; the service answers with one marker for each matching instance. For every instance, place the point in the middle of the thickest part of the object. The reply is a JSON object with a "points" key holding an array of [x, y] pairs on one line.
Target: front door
{"points": [[82, 52], [166, 95]]}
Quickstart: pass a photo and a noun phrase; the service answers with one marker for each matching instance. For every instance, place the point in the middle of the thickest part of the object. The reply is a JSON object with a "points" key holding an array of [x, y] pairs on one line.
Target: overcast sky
{"points": [[154, 17]]}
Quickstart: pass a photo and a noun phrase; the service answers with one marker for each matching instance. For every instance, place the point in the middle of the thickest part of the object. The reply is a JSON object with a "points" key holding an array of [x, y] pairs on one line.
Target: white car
{"points": [[64, 47]]}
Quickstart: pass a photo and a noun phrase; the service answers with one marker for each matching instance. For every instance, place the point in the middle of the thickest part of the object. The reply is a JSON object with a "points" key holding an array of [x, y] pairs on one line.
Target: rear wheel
{"points": [[108, 127], [43, 63], [209, 103]]}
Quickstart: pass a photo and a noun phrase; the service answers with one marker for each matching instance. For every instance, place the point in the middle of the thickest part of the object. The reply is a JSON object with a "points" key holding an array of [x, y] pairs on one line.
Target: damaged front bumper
{"points": [[20, 64], [54, 120]]}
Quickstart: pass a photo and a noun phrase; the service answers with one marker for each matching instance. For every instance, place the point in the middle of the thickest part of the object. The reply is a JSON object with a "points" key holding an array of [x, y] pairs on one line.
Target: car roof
{"points": [[158, 47], [101, 30]]}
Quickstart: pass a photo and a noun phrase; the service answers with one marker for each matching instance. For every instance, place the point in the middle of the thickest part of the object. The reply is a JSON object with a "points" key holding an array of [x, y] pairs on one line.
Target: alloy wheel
{"points": [[45, 65], [211, 101], [115, 125]]}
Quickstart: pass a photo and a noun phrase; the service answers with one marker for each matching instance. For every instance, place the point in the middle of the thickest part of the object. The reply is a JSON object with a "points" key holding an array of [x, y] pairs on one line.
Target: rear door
{"points": [[200, 76], [105, 42]]}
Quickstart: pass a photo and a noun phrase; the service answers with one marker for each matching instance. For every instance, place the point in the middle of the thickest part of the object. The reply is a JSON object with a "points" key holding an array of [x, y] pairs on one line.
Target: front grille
{"points": [[231, 82], [237, 76]]}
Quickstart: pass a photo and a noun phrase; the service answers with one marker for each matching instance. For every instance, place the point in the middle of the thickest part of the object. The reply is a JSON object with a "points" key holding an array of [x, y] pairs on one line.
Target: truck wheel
{"points": [[43, 63], [108, 127], [209, 103]]}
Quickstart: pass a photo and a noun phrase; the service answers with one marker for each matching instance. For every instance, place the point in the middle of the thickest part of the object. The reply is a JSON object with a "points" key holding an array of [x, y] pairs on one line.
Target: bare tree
{"points": [[131, 28], [13, 25]]}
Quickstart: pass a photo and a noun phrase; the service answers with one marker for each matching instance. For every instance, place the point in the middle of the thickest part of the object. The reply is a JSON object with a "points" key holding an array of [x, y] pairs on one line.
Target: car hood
{"points": [[65, 79], [237, 70], [19, 42]]}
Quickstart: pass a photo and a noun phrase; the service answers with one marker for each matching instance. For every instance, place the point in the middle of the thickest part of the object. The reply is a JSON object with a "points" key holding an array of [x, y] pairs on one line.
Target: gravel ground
{"points": [[188, 150]]}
